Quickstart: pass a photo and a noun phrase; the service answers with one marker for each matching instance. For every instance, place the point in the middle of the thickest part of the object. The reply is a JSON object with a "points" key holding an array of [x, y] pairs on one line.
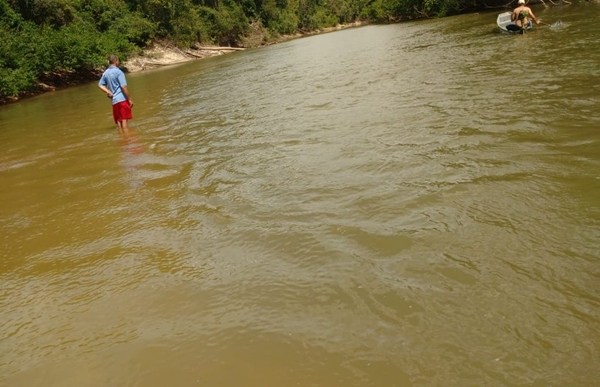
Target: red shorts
{"points": [[122, 111]]}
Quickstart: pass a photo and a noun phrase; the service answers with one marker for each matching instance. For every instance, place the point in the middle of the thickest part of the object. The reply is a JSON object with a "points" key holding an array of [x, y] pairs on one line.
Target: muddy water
{"points": [[412, 204]]}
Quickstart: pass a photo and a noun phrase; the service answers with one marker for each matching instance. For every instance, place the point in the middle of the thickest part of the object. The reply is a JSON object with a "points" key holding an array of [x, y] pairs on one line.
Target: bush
{"points": [[103, 13], [226, 25], [80, 47], [55, 13], [187, 29], [15, 81], [135, 28], [280, 17], [320, 18], [33, 51], [8, 16], [284, 22], [233, 24], [375, 12], [18, 63]]}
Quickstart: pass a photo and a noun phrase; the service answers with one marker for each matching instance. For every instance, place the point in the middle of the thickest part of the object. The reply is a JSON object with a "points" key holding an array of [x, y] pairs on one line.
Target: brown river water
{"points": [[404, 205]]}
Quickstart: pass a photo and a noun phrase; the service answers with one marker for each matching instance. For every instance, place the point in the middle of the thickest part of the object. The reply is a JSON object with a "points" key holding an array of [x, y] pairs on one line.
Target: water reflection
{"points": [[132, 152]]}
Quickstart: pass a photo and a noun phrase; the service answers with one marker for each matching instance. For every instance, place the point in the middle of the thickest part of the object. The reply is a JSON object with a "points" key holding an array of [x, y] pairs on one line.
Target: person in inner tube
{"points": [[522, 14]]}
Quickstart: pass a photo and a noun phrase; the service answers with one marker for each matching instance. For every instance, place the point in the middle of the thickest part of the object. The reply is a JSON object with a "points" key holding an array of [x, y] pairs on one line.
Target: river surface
{"points": [[403, 205]]}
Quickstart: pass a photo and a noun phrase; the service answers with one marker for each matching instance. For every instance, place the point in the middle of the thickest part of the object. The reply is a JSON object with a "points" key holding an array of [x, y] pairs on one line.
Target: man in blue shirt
{"points": [[113, 83]]}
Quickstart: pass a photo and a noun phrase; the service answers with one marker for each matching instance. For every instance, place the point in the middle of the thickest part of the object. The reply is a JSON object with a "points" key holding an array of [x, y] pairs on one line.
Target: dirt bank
{"points": [[165, 54]]}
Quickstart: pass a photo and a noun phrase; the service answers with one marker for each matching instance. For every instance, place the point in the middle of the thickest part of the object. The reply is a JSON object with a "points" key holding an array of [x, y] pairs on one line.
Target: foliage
{"points": [[8, 16], [56, 13], [135, 28], [32, 51], [280, 16]]}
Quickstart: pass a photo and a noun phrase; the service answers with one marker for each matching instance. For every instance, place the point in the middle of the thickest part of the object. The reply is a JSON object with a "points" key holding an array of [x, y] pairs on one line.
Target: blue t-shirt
{"points": [[113, 78]]}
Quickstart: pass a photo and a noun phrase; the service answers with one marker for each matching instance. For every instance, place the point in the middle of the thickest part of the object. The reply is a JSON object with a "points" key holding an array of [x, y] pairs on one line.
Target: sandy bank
{"points": [[163, 55]]}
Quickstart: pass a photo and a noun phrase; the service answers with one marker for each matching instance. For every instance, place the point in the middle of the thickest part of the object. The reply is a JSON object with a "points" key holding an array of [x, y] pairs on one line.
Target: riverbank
{"points": [[161, 54], [164, 53]]}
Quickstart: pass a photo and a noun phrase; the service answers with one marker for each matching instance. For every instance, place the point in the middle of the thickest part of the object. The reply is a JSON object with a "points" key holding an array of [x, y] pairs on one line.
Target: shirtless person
{"points": [[521, 15]]}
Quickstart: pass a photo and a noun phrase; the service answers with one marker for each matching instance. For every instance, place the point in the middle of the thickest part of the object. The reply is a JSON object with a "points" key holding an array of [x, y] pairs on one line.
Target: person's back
{"points": [[114, 84], [522, 14], [113, 78]]}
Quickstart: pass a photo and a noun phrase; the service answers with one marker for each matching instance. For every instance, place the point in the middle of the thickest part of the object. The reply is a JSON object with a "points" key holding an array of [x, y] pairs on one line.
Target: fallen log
{"points": [[212, 48]]}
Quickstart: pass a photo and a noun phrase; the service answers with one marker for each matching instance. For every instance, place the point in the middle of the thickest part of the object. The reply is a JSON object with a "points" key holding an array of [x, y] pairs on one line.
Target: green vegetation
{"points": [[45, 39]]}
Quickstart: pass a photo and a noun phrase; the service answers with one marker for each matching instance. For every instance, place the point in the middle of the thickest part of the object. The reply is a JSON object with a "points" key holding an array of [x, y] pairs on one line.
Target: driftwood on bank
{"points": [[165, 55], [213, 48]]}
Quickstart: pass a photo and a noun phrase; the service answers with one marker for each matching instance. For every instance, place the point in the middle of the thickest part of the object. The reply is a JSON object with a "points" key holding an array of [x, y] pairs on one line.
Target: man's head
{"points": [[521, 2], [114, 60]]}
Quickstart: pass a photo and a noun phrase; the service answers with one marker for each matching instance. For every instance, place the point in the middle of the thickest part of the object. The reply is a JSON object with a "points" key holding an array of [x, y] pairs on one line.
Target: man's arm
{"points": [[102, 86], [105, 89], [533, 16], [127, 95], [124, 89]]}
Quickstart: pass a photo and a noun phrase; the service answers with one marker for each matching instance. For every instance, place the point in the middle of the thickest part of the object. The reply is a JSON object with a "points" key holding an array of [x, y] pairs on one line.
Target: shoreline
{"points": [[162, 54], [165, 54]]}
